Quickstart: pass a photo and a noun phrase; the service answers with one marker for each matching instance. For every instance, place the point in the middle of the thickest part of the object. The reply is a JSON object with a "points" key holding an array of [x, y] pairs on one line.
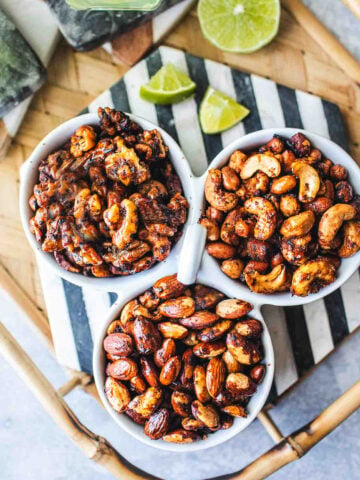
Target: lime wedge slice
{"points": [[241, 26], [218, 112], [168, 85]]}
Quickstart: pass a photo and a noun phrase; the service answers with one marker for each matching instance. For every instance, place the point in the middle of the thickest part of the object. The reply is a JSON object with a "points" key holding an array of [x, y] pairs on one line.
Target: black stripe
{"points": [[197, 71], [303, 355], [336, 124], [112, 297], [164, 112], [337, 319], [245, 95], [119, 96], [272, 394], [79, 324], [289, 107]]}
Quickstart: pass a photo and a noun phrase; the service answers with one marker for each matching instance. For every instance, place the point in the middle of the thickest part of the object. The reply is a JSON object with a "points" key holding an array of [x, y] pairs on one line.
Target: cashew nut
{"points": [[309, 180], [283, 184], [298, 250], [351, 243], [331, 222], [230, 179], [298, 225], [268, 164], [266, 216], [311, 276], [129, 224], [212, 229], [275, 281], [215, 195]]}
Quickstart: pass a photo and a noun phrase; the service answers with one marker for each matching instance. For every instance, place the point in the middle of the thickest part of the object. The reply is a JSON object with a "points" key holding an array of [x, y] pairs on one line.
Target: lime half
{"points": [[218, 112], [168, 85], [241, 26]]}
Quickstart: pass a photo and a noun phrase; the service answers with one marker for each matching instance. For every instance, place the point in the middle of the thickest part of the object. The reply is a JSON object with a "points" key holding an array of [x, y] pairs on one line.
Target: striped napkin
{"points": [[302, 336]]}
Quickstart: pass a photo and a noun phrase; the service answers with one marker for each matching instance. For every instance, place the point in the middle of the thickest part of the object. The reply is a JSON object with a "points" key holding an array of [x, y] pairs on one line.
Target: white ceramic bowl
{"points": [[330, 150], [29, 176], [229, 288]]}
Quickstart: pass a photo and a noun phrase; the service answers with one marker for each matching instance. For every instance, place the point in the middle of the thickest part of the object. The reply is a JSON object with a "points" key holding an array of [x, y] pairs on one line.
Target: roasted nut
{"points": [[114, 327], [309, 181], [181, 403], [149, 300], [235, 411], [233, 268], [331, 222], [150, 372], [214, 215], [138, 384], [117, 394], [170, 370], [191, 339], [220, 250], [254, 266], [275, 145], [232, 365], [146, 336], [300, 144], [215, 376], [188, 361], [168, 287], [212, 229], [287, 159], [266, 216], [344, 192], [206, 414], [227, 232], [127, 316], [200, 388], [351, 243], [275, 281], [276, 259], [209, 350], [215, 195], [258, 249], [180, 307], [230, 179], [311, 276], [240, 384], [233, 308], [146, 404], [268, 164], [289, 205], [237, 161], [172, 330], [319, 205], [118, 344], [158, 424], [298, 250], [199, 320], [206, 297], [83, 140], [164, 353], [338, 172], [122, 369], [283, 184], [243, 350], [250, 328], [257, 373], [216, 331], [181, 436], [298, 225], [191, 424]]}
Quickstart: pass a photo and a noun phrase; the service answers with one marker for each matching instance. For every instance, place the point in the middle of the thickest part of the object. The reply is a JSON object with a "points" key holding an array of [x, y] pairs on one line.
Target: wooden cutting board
{"points": [[74, 79]]}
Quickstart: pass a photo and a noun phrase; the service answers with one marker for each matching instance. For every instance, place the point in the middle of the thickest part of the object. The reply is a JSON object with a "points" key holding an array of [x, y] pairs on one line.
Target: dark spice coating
{"points": [[109, 201], [182, 384]]}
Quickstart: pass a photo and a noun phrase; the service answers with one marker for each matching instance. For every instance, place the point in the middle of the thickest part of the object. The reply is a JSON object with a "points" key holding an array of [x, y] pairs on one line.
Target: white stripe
{"points": [[312, 113], [285, 368], [58, 314], [163, 23], [97, 306], [136, 77], [220, 78], [186, 118], [268, 102], [103, 100], [318, 327], [350, 292]]}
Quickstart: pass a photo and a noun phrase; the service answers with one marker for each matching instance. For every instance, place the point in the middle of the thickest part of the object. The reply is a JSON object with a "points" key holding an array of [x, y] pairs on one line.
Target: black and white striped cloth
{"points": [[302, 336]]}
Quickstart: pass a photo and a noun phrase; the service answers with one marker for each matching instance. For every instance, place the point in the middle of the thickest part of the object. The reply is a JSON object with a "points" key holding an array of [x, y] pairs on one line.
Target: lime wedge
{"points": [[241, 26], [218, 112], [168, 85]]}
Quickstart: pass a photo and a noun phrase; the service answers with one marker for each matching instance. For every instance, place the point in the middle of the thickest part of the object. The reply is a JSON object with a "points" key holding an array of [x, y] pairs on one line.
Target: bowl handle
{"points": [[191, 253]]}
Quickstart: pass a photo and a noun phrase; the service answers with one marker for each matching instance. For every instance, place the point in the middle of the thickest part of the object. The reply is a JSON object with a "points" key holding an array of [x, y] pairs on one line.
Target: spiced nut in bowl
{"points": [[183, 367], [104, 199], [282, 214]]}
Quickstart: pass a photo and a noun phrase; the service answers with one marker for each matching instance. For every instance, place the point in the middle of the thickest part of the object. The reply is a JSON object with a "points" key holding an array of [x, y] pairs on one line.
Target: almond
{"points": [[188, 362], [178, 307], [240, 384], [166, 351], [200, 388], [215, 376], [172, 330], [117, 394], [191, 424], [235, 411], [257, 373], [181, 436], [249, 328], [115, 327], [216, 331], [206, 297], [146, 335], [206, 414], [123, 369], [147, 403], [119, 344], [170, 370], [232, 365], [191, 339], [181, 403], [244, 351], [233, 308], [150, 372], [200, 320], [168, 287], [138, 384], [127, 314], [158, 424], [208, 350]]}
